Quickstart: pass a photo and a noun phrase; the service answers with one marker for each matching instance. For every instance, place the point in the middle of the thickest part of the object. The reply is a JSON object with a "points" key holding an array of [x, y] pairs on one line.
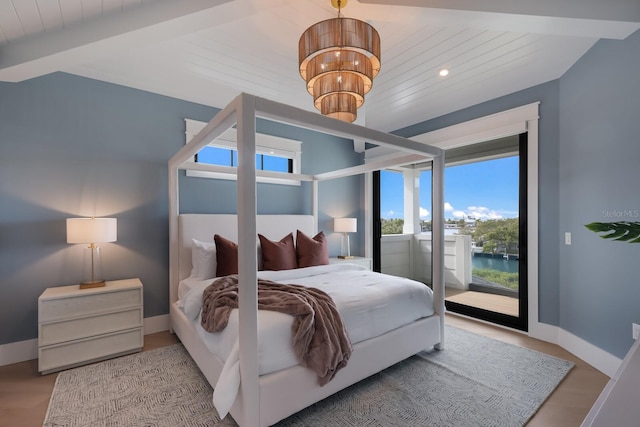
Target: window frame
{"points": [[269, 145]]}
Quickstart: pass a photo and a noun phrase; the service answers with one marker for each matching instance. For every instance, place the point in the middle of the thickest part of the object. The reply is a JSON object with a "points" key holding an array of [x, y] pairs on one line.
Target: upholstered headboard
{"points": [[203, 226]]}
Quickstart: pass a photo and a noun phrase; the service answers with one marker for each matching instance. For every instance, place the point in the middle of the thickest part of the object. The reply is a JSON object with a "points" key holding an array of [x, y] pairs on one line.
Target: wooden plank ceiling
{"points": [[208, 51]]}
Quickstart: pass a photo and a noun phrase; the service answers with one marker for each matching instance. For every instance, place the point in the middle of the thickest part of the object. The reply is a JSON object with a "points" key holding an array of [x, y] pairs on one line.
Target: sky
{"points": [[482, 190]]}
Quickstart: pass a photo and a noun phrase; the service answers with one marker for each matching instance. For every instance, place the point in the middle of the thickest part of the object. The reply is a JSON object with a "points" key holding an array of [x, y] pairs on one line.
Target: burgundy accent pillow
{"points": [[278, 255], [311, 250], [226, 256]]}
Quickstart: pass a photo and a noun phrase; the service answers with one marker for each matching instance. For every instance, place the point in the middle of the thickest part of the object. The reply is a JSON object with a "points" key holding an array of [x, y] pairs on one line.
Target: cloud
{"points": [[391, 214], [482, 212], [470, 213], [454, 213], [477, 212]]}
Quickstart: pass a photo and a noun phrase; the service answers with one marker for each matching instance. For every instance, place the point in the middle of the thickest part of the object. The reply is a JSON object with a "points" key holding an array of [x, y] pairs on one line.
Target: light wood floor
{"points": [[24, 393], [492, 302]]}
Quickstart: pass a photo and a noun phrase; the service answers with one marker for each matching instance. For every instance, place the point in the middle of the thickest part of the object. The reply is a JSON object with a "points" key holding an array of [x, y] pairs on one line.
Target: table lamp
{"points": [[345, 225], [91, 231]]}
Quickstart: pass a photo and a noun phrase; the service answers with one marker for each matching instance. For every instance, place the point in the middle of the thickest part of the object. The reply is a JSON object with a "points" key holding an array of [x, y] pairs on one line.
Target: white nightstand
{"points": [[367, 262], [79, 326]]}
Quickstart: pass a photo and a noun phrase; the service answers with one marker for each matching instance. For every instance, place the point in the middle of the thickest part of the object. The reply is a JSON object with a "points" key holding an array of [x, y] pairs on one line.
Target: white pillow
{"points": [[203, 259], [191, 302]]}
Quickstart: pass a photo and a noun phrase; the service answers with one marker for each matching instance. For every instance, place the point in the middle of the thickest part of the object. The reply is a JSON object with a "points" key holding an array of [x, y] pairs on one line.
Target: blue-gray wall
{"points": [[589, 148], [71, 146], [599, 177]]}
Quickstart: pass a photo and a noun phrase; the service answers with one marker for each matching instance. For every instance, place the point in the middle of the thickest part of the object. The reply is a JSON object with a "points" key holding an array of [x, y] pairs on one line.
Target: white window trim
{"points": [[265, 144]]}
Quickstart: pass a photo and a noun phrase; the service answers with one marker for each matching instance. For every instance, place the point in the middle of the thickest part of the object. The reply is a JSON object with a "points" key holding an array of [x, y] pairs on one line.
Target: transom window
{"points": [[273, 154], [227, 157]]}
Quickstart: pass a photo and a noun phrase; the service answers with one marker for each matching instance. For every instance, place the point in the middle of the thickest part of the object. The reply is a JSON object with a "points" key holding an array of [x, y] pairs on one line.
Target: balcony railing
{"points": [[409, 255]]}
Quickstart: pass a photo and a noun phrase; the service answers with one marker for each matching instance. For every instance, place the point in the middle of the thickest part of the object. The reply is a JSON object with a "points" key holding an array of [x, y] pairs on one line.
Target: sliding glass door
{"points": [[494, 219], [485, 230]]}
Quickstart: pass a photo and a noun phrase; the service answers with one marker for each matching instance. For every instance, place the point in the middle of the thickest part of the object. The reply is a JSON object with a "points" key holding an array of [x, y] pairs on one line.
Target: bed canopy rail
{"points": [[243, 112], [231, 170]]}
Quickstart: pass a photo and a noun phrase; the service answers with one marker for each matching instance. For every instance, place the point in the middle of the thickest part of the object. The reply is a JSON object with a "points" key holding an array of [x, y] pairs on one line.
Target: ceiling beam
{"points": [[156, 21], [609, 10]]}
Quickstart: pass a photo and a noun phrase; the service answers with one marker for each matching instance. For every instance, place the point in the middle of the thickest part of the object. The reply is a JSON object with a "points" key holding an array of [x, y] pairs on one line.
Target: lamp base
{"points": [[346, 256], [95, 284]]}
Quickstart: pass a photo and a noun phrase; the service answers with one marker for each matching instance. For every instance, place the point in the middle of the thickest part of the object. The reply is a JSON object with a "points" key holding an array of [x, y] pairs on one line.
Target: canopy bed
{"points": [[257, 392]]}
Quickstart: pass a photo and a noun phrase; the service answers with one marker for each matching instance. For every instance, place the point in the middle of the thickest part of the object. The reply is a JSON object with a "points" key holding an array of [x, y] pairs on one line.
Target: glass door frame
{"points": [[520, 322]]}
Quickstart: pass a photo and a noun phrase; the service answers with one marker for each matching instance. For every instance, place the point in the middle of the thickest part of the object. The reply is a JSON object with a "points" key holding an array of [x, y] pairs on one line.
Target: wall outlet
{"points": [[635, 328]]}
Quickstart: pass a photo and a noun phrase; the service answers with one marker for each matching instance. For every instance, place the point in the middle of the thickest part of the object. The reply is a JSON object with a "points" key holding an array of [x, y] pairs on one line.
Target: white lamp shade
{"points": [[345, 225], [91, 230]]}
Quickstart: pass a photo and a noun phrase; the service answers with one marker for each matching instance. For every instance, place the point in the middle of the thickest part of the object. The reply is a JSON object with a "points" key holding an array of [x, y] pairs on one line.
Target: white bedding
{"points": [[371, 304]]}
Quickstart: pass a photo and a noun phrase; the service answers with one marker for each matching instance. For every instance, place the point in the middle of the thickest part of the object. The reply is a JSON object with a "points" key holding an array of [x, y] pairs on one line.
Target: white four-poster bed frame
{"points": [[242, 112]]}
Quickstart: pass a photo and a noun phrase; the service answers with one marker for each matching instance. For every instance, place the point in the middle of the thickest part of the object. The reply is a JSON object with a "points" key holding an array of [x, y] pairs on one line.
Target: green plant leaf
{"points": [[622, 231]]}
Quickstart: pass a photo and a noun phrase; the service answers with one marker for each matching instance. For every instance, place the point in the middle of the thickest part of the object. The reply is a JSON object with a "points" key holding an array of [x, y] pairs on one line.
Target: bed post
{"points": [[368, 215], [174, 210], [437, 236], [314, 203], [248, 262]]}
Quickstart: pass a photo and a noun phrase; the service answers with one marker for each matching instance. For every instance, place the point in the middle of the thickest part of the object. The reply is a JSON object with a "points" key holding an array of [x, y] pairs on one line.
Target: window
{"points": [[391, 202], [273, 154], [228, 157]]}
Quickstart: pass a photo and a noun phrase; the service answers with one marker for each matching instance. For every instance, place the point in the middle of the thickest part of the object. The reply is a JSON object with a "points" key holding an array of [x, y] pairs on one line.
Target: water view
{"points": [[498, 262], [496, 269]]}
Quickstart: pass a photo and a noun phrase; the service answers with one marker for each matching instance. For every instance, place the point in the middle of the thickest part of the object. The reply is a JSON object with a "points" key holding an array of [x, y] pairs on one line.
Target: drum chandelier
{"points": [[339, 58]]}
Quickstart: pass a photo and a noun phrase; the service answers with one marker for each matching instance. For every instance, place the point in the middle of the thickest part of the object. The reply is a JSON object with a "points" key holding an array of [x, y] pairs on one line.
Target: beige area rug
{"points": [[475, 381]]}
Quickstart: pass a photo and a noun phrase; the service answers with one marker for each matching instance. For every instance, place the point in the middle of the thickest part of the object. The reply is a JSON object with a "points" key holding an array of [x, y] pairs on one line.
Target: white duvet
{"points": [[370, 303]]}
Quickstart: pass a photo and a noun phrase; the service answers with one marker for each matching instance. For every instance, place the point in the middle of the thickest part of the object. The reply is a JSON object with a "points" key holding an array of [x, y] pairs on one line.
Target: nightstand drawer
{"points": [[67, 330], [88, 303], [74, 353]]}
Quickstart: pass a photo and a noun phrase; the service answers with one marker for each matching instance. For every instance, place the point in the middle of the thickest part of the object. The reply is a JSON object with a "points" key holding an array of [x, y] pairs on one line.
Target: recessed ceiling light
{"points": [[444, 72]]}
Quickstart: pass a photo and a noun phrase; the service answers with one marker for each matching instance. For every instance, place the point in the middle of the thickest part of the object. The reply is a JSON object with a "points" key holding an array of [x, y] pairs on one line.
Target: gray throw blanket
{"points": [[320, 341]]}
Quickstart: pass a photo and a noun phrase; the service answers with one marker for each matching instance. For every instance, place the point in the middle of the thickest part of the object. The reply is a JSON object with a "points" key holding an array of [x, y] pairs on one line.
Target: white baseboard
{"points": [[21, 351], [601, 360], [18, 352], [156, 324], [544, 332]]}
